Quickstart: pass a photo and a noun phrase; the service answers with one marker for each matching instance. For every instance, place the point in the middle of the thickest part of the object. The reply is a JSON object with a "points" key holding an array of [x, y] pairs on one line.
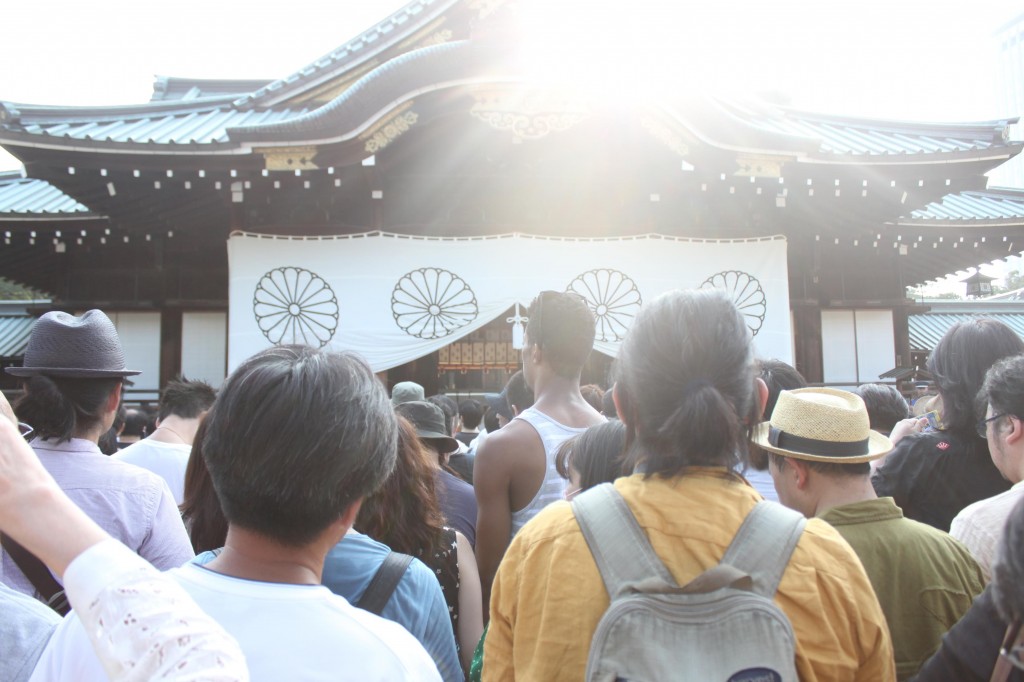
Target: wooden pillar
{"points": [[807, 342], [170, 344], [901, 335]]}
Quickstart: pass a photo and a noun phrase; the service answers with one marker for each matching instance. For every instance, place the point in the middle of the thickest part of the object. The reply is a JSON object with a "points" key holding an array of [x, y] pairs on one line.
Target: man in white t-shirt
{"points": [[980, 525], [296, 439], [165, 452]]}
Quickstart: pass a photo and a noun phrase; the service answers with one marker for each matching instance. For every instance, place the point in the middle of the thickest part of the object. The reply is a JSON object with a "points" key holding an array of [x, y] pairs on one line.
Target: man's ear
{"points": [[801, 472], [762, 396], [1016, 431], [114, 399], [515, 411]]}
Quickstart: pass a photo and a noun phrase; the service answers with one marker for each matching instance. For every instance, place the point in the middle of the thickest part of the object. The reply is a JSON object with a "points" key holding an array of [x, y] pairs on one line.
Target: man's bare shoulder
{"points": [[511, 438]]}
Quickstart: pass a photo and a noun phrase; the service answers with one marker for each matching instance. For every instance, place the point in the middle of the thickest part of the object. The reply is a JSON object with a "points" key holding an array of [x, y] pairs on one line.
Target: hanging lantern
{"points": [[518, 322]]}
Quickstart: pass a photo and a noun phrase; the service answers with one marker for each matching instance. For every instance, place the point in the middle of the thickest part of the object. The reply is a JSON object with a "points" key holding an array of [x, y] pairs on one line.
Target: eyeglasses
{"points": [[25, 430], [982, 426]]}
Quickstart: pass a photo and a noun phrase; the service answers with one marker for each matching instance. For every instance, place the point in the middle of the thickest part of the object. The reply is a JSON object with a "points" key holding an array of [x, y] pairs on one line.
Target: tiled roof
{"points": [[14, 333], [20, 195], [998, 204], [871, 138], [344, 54], [926, 329], [203, 125], [166, 88]]}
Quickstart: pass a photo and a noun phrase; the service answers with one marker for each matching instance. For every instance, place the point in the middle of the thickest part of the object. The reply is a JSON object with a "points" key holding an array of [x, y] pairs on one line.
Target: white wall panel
{"points": [[876, 346], [204, 346], [140, 337], [838, 346]]}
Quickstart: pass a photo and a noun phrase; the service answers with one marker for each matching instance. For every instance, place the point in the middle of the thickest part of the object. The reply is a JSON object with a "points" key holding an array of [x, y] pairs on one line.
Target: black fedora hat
{"points": [[428, 420], [66, 346]]}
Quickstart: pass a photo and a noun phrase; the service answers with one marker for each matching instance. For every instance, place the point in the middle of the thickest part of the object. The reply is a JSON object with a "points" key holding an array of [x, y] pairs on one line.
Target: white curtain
{"points": [[394, 298]]}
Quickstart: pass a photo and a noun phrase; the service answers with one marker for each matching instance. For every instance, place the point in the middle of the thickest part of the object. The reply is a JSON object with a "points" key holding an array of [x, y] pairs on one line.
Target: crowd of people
{"points": [[707, 516]]}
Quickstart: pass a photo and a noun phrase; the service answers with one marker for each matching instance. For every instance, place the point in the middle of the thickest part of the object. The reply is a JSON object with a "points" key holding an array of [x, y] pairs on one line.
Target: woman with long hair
{"points": [[935, 474], [688, 396], [200, 508], [404, 514]]}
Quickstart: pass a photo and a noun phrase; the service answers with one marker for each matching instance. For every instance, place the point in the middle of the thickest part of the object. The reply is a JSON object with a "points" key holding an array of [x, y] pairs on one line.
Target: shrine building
{"points": [[406, 196]]}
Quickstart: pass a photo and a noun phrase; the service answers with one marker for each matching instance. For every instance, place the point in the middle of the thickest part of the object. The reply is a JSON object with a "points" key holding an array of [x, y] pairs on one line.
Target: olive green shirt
{"points": [[925, 580]]}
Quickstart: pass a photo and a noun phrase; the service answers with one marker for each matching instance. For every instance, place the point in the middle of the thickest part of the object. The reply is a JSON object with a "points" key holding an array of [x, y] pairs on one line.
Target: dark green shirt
{"points": [[925, 580]]}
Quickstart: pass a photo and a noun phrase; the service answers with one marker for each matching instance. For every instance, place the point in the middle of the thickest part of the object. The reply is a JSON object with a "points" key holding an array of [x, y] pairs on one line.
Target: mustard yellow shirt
{"points": [[548, 595]]}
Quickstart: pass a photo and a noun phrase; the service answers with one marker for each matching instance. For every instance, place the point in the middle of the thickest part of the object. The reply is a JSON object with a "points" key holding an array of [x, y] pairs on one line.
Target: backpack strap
{"points": [[384, 582], [764, 543], [620, 548], [51, 591]]}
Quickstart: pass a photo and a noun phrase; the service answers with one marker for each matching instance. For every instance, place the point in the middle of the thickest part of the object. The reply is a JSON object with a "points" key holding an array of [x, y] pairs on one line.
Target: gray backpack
{"points": [[721, 627]]}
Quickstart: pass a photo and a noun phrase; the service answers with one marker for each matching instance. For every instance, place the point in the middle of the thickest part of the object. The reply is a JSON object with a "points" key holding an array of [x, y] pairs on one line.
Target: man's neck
{"points": [[553, 388], [841, 490], [252, 556], [175, 430]]}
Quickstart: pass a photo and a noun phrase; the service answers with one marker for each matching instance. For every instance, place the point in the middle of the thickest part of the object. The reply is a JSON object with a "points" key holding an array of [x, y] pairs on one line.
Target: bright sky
{"points": [[908, 59]]}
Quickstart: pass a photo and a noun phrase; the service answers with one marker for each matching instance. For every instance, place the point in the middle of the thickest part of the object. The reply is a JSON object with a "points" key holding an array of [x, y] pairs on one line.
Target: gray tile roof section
{"points": [[868, 138], [167, 88], [186, 125], [339, 59], [14, 333], [19, 195], [927, 328], [1005, 205]]}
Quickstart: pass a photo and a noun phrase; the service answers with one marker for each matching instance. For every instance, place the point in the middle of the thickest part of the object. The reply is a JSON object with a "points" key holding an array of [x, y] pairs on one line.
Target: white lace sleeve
{"points": [[143, 625]]}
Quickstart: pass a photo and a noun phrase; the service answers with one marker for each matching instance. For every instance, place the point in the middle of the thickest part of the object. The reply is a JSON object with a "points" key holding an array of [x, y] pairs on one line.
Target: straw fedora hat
{"points": [[821, 425], [69, 347]]}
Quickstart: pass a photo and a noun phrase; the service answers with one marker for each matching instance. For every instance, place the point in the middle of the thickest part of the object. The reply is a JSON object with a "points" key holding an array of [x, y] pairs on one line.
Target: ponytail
{"points": [[686, 383], [704, 424], [61, 408]]}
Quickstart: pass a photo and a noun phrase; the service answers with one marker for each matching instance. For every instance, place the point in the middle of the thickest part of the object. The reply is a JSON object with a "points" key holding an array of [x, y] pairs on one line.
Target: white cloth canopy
{"points": [[394, 298]]}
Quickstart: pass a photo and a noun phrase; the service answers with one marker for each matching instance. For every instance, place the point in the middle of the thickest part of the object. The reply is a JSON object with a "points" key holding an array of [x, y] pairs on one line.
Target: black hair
{"points": [[562, 325], [608, 404], [107, 443], [1004, 387], [886, 406], [958, 365], [518, 392], [596, 454], [296, 436], [200, 508], [186, 399], [827, 468], [449, 407], [685, 383], [491, 421], [135, 422], [471, 413], [779, 376], [59, 408]]}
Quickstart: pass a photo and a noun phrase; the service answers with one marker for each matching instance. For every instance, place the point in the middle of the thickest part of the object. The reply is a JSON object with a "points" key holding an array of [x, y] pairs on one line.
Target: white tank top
{"points": [[552, 435]]}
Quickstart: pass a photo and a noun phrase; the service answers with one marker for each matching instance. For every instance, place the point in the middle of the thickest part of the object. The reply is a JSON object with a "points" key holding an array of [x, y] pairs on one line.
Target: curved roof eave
{"points": [[381, 36], [413, 73]]}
